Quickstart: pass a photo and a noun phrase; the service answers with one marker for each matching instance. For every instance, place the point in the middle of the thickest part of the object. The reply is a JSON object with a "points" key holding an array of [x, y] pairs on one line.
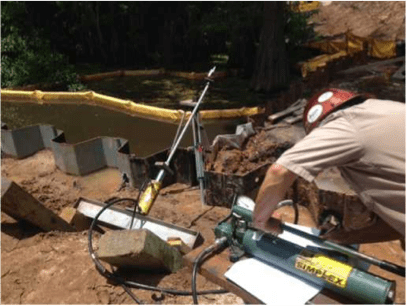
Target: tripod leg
{"points": [[199, 157]]}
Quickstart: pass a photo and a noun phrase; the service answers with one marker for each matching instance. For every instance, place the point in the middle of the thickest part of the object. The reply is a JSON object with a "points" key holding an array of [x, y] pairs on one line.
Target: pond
{"points": [[82, 122], [167, 91]]}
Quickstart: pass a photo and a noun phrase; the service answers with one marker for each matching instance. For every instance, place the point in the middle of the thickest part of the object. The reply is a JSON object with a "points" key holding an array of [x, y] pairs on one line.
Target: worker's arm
{"points": [[272, 191], [377, 232]]}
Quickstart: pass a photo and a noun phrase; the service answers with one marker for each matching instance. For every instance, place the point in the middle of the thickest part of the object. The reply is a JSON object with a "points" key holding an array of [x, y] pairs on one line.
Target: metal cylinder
{"points": [[319, 269], [148, 196]]}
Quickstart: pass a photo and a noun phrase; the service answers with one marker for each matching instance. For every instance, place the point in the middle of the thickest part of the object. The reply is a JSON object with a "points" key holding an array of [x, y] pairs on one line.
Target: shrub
{"points": [[27, 57]]}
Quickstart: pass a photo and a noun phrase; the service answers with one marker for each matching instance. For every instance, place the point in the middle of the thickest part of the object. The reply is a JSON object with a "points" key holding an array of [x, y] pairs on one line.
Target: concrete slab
{"points": [[139, 249], [19, 204]]}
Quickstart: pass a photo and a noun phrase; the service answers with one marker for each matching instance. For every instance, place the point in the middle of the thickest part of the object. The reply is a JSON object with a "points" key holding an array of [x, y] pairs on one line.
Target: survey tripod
{"points": [[149, 194]]}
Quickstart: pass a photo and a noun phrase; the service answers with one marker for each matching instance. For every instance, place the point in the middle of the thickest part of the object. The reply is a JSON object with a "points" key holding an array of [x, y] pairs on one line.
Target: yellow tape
{"points": [[175, 242], [328, 269]]}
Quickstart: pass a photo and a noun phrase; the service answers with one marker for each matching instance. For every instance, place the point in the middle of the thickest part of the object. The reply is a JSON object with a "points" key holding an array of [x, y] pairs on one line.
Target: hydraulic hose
{"points": [[136, 206], [128, 291], [219, 243], [103, 271], [294, 205]]}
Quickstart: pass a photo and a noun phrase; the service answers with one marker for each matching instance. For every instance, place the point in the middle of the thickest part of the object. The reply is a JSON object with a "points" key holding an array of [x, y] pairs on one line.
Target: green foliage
{"points": [[40, 39], [27, 57], [297, 30], [297, 33]]}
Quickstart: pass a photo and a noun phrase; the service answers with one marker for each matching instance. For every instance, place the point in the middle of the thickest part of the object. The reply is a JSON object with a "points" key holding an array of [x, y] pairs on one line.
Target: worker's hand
{"points": [[271, 226]]}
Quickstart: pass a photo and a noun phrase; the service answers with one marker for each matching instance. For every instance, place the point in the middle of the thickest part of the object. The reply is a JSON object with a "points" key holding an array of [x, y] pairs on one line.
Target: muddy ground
{"points": [[55, 267]]}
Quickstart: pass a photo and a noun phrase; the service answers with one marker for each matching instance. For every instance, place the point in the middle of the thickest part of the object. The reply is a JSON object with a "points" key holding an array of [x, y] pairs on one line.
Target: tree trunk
{"points": [[271, 69]]}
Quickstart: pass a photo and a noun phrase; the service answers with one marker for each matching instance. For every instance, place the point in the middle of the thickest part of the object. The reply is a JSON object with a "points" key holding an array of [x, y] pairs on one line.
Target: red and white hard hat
{"points": [[324, 103]]}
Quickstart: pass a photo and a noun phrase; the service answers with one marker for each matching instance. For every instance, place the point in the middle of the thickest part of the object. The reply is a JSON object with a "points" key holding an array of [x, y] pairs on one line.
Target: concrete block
{"points": [[19, 204], [139, 249], [79, 221]]}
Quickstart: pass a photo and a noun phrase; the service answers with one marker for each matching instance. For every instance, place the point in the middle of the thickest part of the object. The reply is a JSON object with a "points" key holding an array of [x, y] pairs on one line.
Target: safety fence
{"points": [[304, 6], [125, 106], [351, 45]]}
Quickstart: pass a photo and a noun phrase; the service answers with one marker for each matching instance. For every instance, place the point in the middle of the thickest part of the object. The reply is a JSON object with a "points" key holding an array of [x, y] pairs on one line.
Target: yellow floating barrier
{"points": [[126, 106], [156, 72]]}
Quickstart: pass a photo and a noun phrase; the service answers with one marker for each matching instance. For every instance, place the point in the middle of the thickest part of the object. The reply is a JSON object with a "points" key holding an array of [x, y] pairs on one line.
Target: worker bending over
{"points": [[365, 139]]}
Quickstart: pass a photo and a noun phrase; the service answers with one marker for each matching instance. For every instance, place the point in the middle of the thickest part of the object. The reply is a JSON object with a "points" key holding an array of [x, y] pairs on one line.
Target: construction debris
{"points": [[294, 111], [123, 219], [373, 67], [177, 243], [140, 249], [20, 205], [79, 221], [401, 73]]}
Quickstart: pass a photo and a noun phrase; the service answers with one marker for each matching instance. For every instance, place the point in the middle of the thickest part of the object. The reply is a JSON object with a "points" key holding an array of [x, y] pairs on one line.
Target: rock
{"points": [[79, 221], [140, 249], [19, 204]]}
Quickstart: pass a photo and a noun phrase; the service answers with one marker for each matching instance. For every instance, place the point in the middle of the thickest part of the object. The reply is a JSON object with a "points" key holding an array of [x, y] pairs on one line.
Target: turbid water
{"points": [[83, 122]]}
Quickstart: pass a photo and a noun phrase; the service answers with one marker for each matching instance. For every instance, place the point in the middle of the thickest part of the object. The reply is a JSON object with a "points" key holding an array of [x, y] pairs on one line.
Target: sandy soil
{"points": [[55, 268], [383, 20]]}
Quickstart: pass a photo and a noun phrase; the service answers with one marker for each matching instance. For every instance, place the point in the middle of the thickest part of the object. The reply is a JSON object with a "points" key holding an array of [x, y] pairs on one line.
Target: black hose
{"points": [[128, 291], [136, 206], [219, 243], [295, 207], [194, 271], [103, 271]]}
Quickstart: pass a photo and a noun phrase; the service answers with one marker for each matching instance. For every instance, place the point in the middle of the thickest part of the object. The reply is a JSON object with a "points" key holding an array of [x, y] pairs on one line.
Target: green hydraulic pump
{"points": [[319, 265]]}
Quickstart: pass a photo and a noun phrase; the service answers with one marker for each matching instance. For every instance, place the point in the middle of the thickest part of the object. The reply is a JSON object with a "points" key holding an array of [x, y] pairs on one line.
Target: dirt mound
{"points": [[265, 147], [383, 20]]}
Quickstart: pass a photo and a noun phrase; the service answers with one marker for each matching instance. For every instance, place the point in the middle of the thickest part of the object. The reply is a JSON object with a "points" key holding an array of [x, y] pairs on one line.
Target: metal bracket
{"points": [[163, 165]]}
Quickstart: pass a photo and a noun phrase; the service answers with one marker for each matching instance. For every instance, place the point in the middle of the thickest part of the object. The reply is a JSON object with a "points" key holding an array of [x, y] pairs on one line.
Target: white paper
{"points": [[270, 284]]}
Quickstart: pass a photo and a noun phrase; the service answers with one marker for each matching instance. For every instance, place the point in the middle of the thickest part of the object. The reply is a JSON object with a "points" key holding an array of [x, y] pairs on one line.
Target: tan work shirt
{"points": [[367, 144]]}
